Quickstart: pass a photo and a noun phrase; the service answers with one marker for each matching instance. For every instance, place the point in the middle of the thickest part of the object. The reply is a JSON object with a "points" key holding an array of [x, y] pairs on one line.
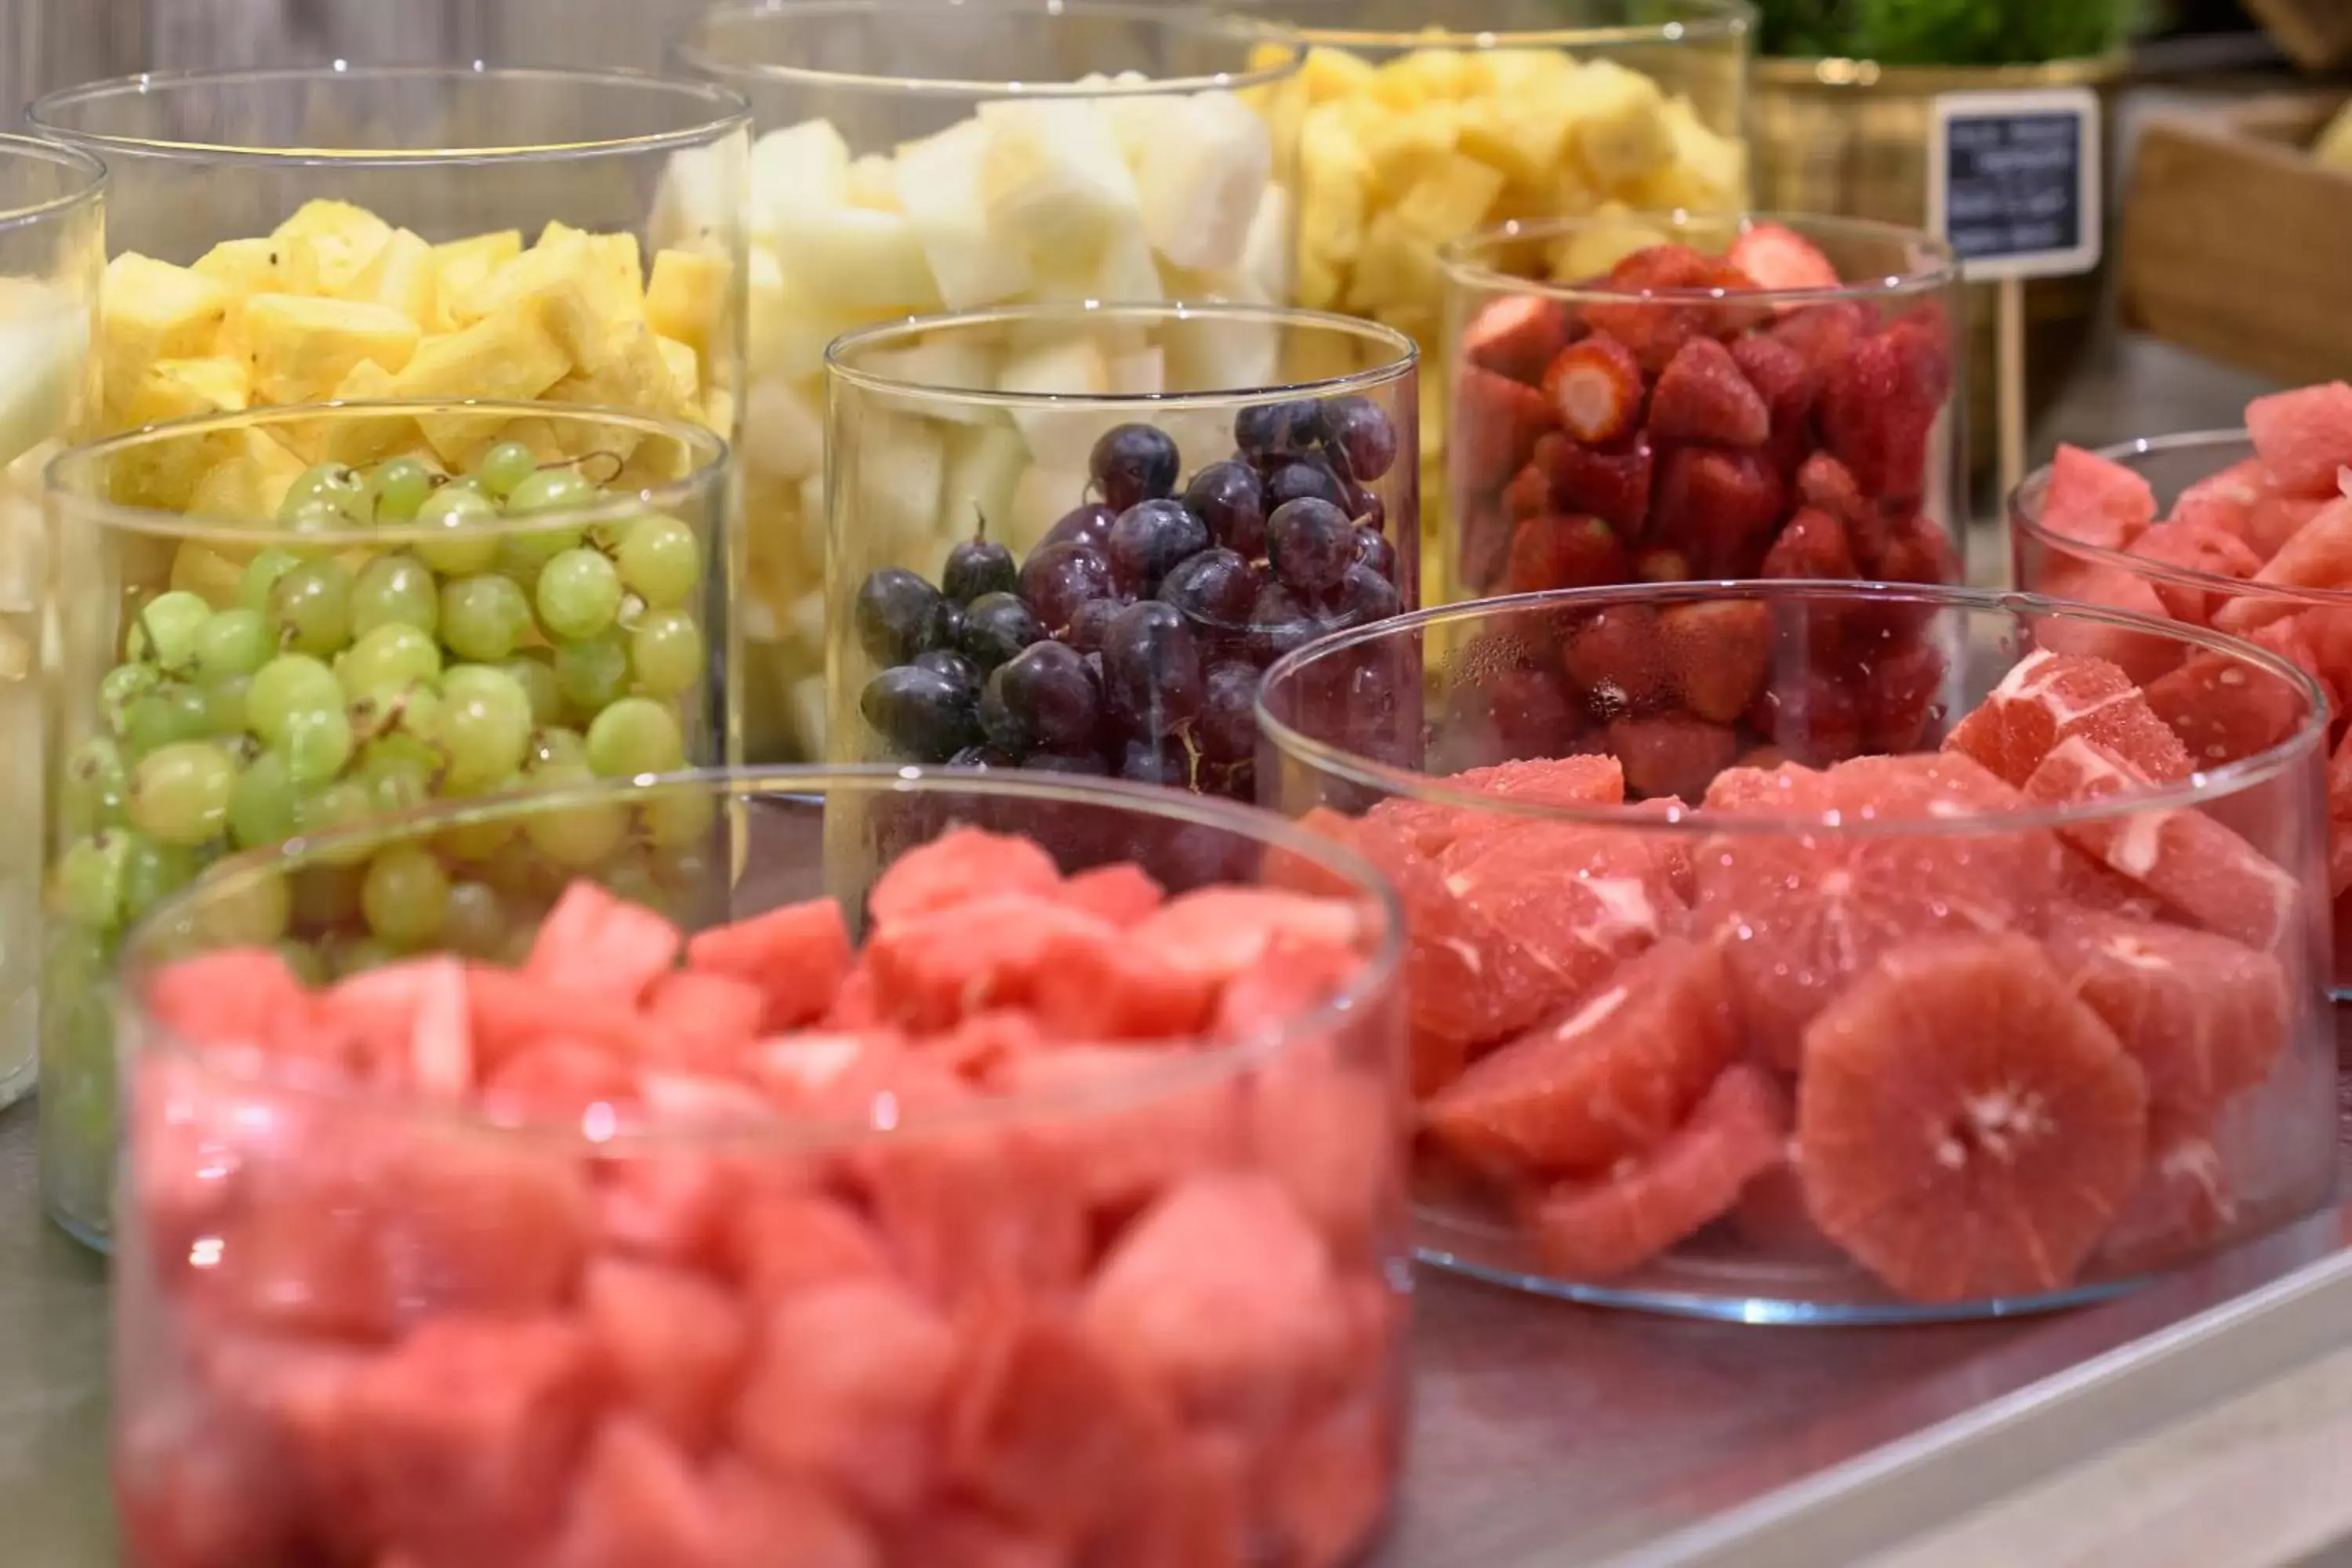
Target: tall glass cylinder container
{"points": [[52, 249], [1027, 570], [271, 623], [918, 155], [1418, 124]]}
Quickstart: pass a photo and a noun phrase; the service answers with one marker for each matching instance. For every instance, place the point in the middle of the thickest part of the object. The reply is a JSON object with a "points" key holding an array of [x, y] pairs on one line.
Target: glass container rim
{"points": [[1713, 21], [2308, 739], [2025, 517], [1171, 19], [726, 113], [1177, 1074], [707, 474], [38, 149], [1404, 354], [1461, 258]]}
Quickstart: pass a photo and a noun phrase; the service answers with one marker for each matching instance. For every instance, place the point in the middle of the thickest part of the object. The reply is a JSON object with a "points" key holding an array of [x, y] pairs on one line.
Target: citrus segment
{"points": [[2051, 696], [1569, 781], [1966, 1128], [1576, 898]]}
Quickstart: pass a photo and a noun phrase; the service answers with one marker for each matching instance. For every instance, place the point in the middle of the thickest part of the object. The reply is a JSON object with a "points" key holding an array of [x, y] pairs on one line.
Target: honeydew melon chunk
{"points": [[783, 429], [766, 307], [801, 330], [1143, 373], [873, 182], [954, 363], [855, 258], [939, 184], [1199, 179], [1041, 497], [807, 702], [805, 623], [1053, 177], [43, 351], [894, 469], [796, 168], [985, 463], [1071, 367], [811, 524], [21, 528], [1224, 355], [702, 193]]}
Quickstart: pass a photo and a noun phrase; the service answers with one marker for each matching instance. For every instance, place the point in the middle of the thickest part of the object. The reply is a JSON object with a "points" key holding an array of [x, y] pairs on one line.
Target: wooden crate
{"points": [[2236, 243]]}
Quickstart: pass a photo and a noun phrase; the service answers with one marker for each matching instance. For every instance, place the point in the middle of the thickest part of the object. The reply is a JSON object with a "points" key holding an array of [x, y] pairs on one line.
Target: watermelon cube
{"points": [[556, 1079], [780, 1243], [1122, 893], [2226, 501], [467, 1221], [702, 1022], [960, 865], [1335, 1138], [1192, 1511], [413, 1022], [1329, 1481], [979, 1047], [1110, 984], [958, 1536], [1119, 1144], [509, 1011], [601, 948], [674, 1341], [2319, 555], [243, 996], [2095, 500], [194, 1491], [934, 969], [2303, 436], [637, 1501], [979, 1210], [663, 1206], [1216, 933], [796, 955]]}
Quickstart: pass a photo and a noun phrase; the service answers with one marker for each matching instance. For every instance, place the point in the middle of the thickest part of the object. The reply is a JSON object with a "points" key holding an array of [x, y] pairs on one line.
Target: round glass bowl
{"points": [[1029, 571], [1627, 406], [52, 250], [917, 156], [1811, 953], [241, 650], [1410, 135], [889, 1269]]}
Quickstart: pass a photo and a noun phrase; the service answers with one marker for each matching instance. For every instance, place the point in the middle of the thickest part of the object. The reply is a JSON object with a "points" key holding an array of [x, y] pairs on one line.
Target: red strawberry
{"points": [[1529, 492], [1516, 335], [1563, 552], [1813, 717], [1613, 486], [1876, 414], [1486, 544], [1786, 383], [1496, 422], [1672, 753], [1719, 651], [1917, 550], [1702, 396], [1811, 546], [1596, 387], [1516, 712], [1824, 482], [1778, 256], [1927, 337], [1656, 327], [1617, 660], [1718, 508], [1823, 333], [1899, 692], [1660, 563]]}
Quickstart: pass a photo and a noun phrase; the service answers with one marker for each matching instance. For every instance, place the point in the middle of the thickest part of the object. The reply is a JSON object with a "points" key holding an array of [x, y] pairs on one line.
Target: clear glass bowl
{"points": [[52, 250], [1264, 430], [1564, 481], [217, 678], [2309, 626], [1417, 125], [860, 1296], [917, 156], [1893, 1041]]}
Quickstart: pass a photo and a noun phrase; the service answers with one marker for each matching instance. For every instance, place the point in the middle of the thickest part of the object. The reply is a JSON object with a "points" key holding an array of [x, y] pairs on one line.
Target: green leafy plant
{"points": [[1948, 32]]}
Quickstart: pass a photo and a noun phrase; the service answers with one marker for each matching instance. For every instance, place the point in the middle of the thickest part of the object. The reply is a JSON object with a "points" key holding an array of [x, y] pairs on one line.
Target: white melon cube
{"points": [[702, 192], [894, 468], [810, 520], [1224, 355], [984, 465], [1200, 178], [873, 182], [1052, 176], [854, 258], [1140, 119], [765, 307], [1265, 264], [795, 169], [806, 704], [783, 429], [940, 188], [953, 363], [1041, 497], [1143, 373], [1070, 367], [42, 353], [805, 623]]}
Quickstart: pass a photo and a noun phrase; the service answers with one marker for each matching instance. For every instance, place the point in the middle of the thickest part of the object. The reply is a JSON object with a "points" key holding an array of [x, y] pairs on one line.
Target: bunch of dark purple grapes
{"points": [[1131, 641]]}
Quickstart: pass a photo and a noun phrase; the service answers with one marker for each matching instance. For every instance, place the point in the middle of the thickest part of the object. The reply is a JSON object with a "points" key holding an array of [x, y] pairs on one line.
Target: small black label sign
{"points": [[2014, 182]]}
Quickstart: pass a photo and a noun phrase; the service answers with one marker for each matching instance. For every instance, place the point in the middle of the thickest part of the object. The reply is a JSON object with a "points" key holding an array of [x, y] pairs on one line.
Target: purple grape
{"points": [[1088, 523], [1089, 764], [979, 757], [1152, 670], [1276, 429], [954, 666], [1369, 511], [977, 566], [893, 611], [1280, 623], [1231, 499], [1045, 699], [1148, 541], [1155, 763], [923, 715], [1235, 780], [995, 628], [1305, 480], [1090, 620], [1058, 578], [1216, 587], [943, 627], [1362, 597], [1363, 434], [1133, 463], [1373, 550], [1311, 544], [1228, 726]]}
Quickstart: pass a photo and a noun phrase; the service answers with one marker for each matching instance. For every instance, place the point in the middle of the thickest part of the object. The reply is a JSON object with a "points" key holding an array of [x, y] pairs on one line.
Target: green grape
{"points": [[388, 658], [326, 895], [591, 674], [289, 684], [676, 818], [399, 771], [578, 595], [164, 634], [474, 919], [89, 879], [401, 486], [247, 911], [233, 642], [261, 575], [261, 803], [304, 959], [97, 780], [554, 743], [504, 466], [312, 607], [460, 544], [340, 806], [483, 617], [524, 556], [396, 590], [152, 872], [536, 675], [551, 490], [405, 896], [660, 561], [119, 690], [412, 710], [316, 745], [225, 703], [577, 836], [179, 793], [475, 841], [318, 526], [360, 956], [666, 651], [341, 488], [172, 712], [635, 735], [484, 727]]}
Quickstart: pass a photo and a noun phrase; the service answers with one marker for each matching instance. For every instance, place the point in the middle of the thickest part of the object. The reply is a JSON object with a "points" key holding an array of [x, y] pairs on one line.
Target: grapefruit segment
{"points": [[2048, 697], [1575, 900], [1967, 1129]]}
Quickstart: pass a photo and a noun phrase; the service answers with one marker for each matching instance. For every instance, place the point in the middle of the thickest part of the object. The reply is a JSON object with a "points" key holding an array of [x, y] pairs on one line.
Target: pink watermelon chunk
{"points": [[1118, 1158], [639, 1501], [2278, 517], [958, 866], [193, 1491], [415, 1021], [2095, 500], [1121, 894], [1098, 986], [2195, 547], [2141, 655], [934, 969], [702, 1021], [959, 1536], [978, 1212], [2304, 436], [2226, 501], [601, 948], [674, 1341], [797, 956], [1330, 1483], [1216, 933], [242, 995], [663, 1206], [782, 1242], [2318, 556]]}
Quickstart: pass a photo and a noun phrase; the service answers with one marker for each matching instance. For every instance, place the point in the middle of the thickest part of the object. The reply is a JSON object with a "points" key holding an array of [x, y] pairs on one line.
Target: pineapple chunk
{"points": [[1524, 135], [248, 480], [302, 348], [358, 441], [509, 355], [631, 373], [1334, 75], [327, 244], [685, 370], [186, 389], [568, 286], [1706, 170], [151, 310], [1592, 250], [1405, 149], [1621, 132], [403, 275], [687, 297], [623, 262], [1395, 266], [1449, 201], [463, 264], [246, 266], [213, 576]]}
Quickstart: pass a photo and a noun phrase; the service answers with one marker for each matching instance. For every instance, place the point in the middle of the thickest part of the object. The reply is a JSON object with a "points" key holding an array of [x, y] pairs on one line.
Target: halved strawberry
{"points": [[1811, 546], [1563, 552], [1702, 396], [1812, 716], [1824, 482], [1671, 755], [1661, 563], [1529, 492], [1596, 386], [1617, 660], [1720, 651], [1496, 422], [1668, 304], [1788, 386], [1718, 508], [1876, 413], [1899, 690], [1516, 335], [1917, 550], [1611, 484], [1823, 333], [1778, 256]]}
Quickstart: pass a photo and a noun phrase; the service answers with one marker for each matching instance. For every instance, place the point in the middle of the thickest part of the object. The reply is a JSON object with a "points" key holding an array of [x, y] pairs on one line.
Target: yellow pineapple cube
{"points": [[211, 574], [1395, 266], [509, 356], [1450, 200], [328, 244], [301, 348], [568, 286], [616, 253], [463, 264], [685, 369], [1403, 149], [248, 478], [361, 440], [1335, 74], [246, 266], [1322, 281], [151, 310], [634, 374], [1706, 170], [687, 296], [1523, 134], [185, 389], [1594, 248], [403, 275], [1442, 73], [1620, 128], [1397, 88]]}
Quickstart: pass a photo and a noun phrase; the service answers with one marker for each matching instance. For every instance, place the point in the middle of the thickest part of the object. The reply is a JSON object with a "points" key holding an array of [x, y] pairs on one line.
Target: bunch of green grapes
{"points": [[468, 655]]}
